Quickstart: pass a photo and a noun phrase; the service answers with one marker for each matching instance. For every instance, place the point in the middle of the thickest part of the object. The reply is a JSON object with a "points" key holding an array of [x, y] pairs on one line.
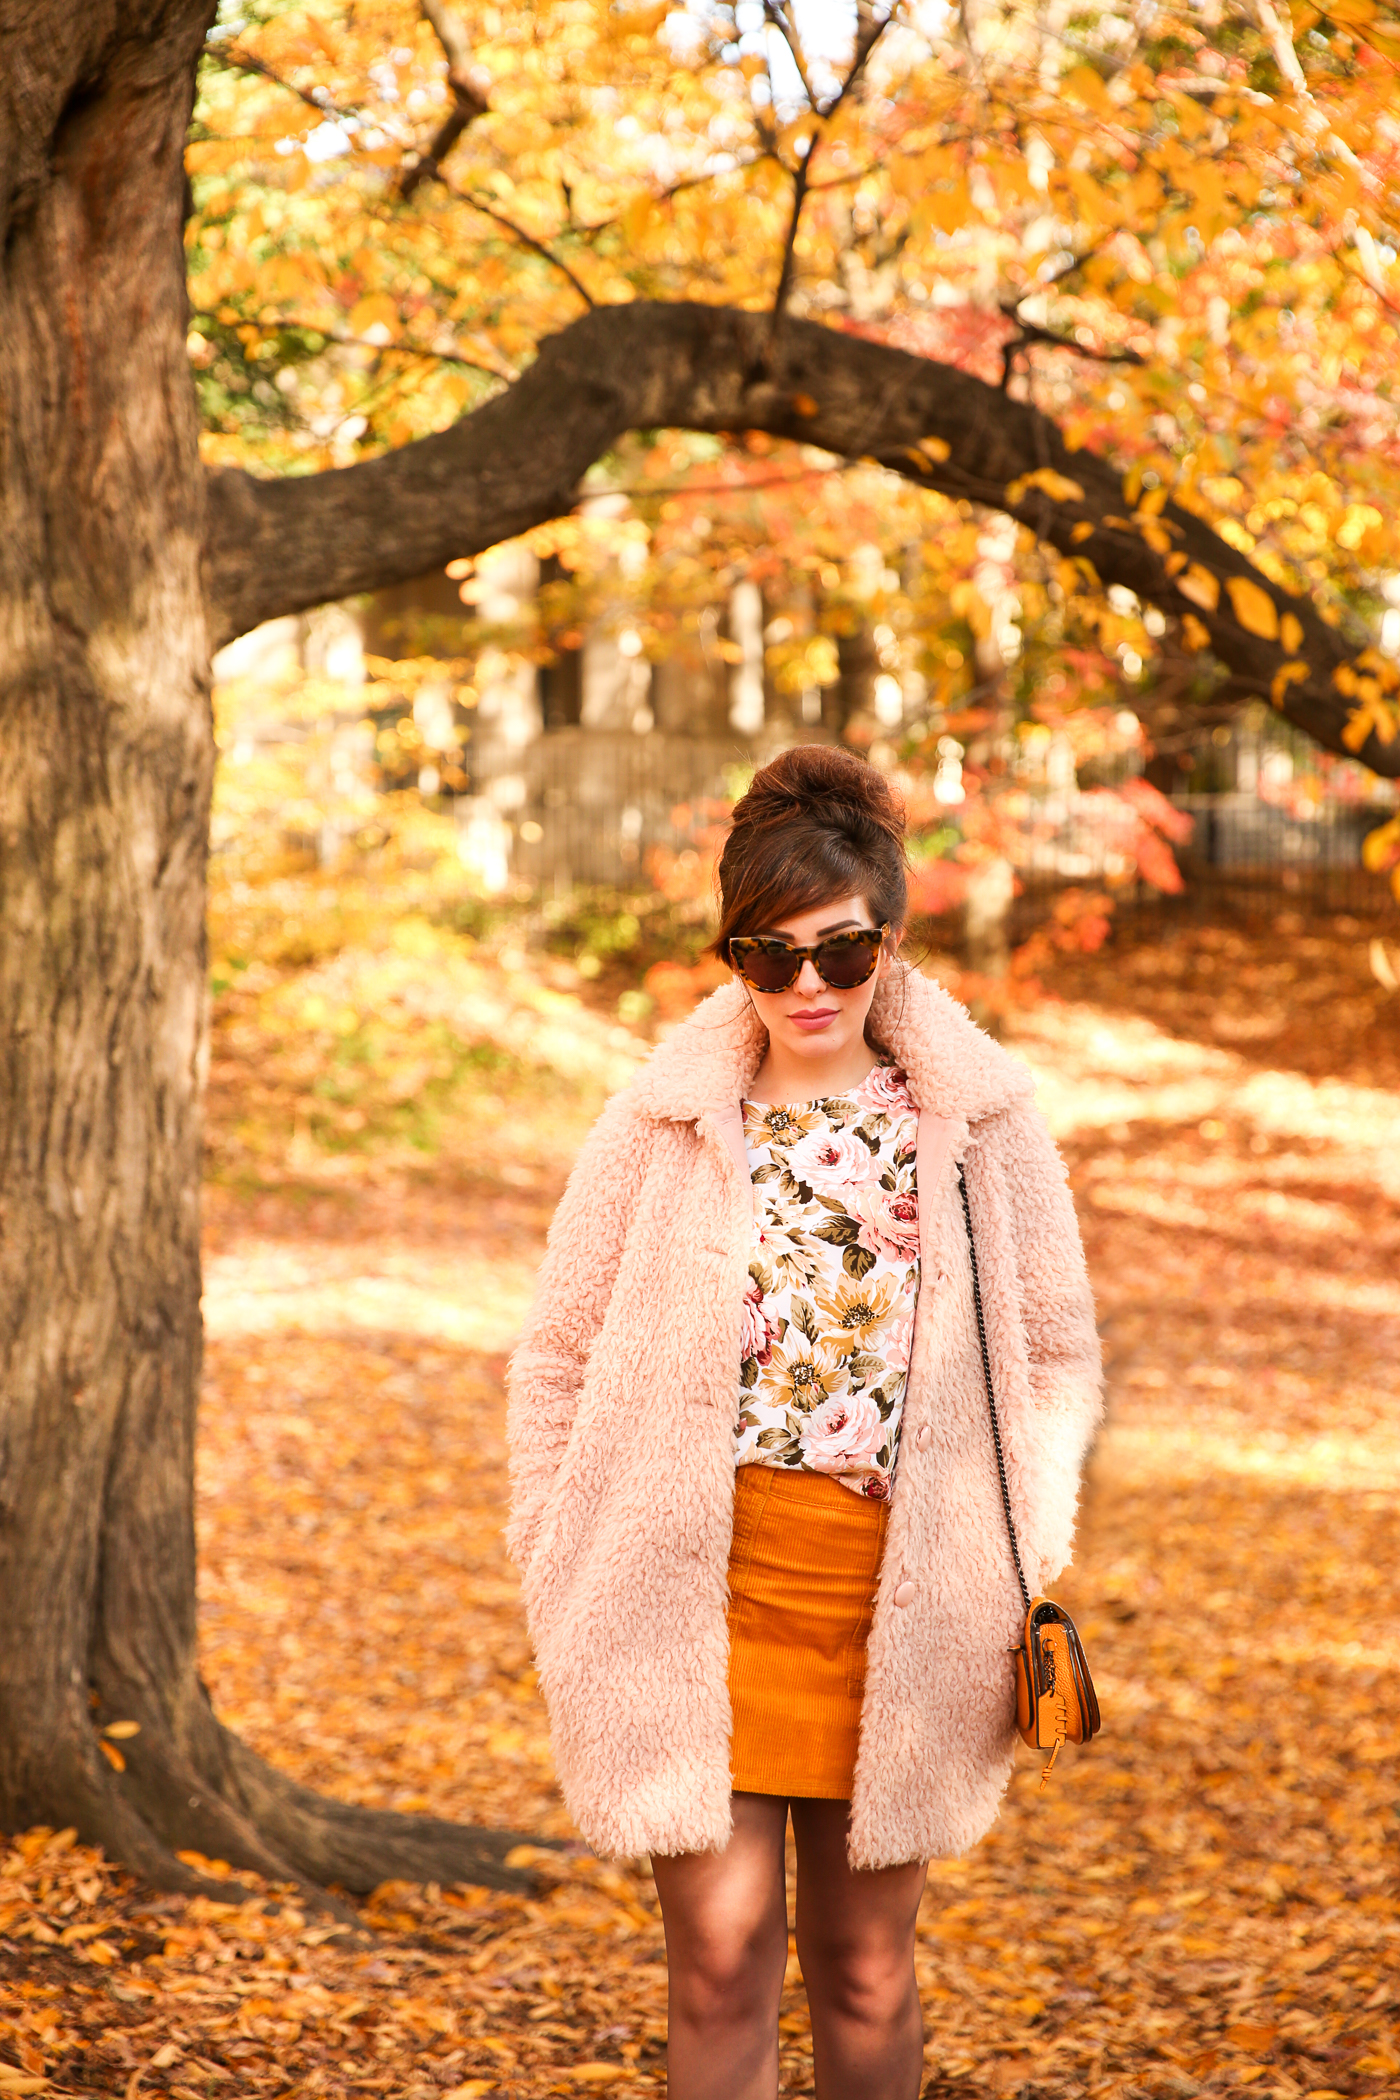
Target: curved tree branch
{"points": [[279, 546]]}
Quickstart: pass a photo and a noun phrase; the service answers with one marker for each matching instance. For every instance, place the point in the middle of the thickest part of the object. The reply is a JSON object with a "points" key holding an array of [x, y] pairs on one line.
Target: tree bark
{"points": [[277, 546], [106, 760]]}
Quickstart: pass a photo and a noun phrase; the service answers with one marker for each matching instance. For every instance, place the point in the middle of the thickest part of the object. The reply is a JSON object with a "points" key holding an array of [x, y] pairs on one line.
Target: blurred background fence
{"points": [[1271, 820], [621, 775]]}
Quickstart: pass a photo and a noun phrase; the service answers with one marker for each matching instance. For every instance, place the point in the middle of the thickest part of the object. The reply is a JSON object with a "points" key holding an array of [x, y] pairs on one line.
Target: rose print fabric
{"points": [[829, 1308]]}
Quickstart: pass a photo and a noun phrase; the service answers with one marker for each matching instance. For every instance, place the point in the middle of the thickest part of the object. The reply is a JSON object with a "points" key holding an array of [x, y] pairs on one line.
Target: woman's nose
{"points": [[809, 981]]}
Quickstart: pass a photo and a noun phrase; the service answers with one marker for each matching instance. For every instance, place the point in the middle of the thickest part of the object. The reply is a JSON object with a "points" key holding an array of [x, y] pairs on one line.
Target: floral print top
{"points": [[829, 1308]]}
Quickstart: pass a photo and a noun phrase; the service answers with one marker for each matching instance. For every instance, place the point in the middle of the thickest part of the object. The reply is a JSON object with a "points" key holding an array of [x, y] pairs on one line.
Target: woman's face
{"points": [[810, 1020]]}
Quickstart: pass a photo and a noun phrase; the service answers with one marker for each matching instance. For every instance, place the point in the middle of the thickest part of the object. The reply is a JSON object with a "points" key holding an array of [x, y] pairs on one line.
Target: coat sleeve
{"points": [[584, 1249], [1062, 1342]]}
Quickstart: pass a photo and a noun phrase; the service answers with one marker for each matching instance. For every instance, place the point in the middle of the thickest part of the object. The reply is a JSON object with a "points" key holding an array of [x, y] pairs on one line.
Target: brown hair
{"points": [[817, 823]]}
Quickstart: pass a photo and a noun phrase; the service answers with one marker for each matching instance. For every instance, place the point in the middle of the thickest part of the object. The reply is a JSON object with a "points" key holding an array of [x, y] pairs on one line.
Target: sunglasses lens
{"points": [[766, 969], [845, 964]]}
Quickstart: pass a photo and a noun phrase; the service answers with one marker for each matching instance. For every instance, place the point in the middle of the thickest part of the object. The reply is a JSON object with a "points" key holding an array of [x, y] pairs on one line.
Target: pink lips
{"points": [[813, 1017]]}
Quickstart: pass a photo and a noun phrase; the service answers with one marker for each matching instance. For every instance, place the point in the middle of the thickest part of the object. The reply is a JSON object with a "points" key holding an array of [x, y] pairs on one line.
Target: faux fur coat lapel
{"points": [[953, 1067]]}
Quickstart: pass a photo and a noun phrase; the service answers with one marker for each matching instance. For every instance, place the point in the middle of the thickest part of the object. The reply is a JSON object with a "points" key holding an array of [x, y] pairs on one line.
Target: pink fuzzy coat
{"points": [[623, 1396]]}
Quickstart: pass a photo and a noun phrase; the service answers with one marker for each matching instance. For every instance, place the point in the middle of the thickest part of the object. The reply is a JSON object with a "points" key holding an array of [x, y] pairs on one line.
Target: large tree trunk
{"points": [[106, 759]]}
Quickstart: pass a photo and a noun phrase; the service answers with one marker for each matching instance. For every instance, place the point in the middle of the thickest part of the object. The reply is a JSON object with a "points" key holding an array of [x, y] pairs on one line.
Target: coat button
{"points": [[905, 1593], [923, 1436]]}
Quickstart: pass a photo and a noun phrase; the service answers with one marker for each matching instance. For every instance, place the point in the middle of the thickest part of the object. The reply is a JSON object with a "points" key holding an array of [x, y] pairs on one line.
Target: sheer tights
{"points": [[726, 1951]]}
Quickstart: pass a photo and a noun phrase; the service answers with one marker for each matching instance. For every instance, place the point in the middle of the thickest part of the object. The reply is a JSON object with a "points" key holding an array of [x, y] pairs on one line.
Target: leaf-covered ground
{"points": [[1205, 1903]]}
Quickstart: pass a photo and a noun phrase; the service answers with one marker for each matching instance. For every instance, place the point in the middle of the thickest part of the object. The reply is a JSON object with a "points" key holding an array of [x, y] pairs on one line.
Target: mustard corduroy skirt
{"points": [[803, 1570]]}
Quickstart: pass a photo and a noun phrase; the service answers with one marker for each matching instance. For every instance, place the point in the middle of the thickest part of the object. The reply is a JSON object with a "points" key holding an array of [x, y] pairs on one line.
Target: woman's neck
{"points": [[784, 1077]]}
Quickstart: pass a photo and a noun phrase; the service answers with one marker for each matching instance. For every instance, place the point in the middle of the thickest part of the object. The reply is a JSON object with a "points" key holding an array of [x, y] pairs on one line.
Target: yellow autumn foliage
{"points": [[1187, 261]]}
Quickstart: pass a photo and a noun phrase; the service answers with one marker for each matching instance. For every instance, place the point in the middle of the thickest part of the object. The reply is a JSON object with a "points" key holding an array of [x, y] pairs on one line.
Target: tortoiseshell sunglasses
{"points": [[842, 960]]}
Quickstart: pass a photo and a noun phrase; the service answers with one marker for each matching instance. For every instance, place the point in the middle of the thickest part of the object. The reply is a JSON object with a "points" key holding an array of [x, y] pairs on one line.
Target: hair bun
{"points": [[828, 782], [817, 823]]}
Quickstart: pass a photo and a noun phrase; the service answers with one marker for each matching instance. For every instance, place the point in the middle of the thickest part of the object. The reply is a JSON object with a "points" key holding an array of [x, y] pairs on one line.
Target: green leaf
{"points": [[748, 1372], [777, 1440], [840, 1232], [857, 1261]]}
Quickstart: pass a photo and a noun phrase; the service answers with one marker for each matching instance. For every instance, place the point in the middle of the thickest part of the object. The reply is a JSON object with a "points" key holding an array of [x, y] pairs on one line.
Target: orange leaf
{"points": [[1254, 608]]}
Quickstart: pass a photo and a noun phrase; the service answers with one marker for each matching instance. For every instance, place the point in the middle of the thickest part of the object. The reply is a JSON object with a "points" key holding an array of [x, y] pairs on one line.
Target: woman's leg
{"points": [[726, 1951], [855, 1941]]}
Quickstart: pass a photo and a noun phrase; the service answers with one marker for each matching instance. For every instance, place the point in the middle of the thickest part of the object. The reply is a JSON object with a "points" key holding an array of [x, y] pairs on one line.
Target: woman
{"points": [[756, 1506]]}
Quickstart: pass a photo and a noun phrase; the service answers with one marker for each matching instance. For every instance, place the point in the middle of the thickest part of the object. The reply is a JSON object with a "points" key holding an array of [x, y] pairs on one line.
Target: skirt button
{"points": [[905, 1593]]}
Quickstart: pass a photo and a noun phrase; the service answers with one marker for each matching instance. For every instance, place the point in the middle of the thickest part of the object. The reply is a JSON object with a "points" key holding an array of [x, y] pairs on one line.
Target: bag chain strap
{"points": [[991, 1401]]}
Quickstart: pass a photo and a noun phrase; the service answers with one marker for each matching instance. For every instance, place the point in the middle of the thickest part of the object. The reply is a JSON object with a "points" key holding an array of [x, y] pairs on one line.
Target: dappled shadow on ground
{"points": [[1299, 992], [1200, 1905]]}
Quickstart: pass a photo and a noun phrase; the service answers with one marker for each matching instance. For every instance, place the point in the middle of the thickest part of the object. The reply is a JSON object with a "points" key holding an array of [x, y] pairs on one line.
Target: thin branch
{"points": [[1031, 332], [675, 189], [246, 62], [361, 342], [452, 35], [869, 30], [489, 211], [799, 197], [841, 182], [777, 15], [468, 102], [1280, 38], [695, 182], [337, 112], [970, 44]]}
